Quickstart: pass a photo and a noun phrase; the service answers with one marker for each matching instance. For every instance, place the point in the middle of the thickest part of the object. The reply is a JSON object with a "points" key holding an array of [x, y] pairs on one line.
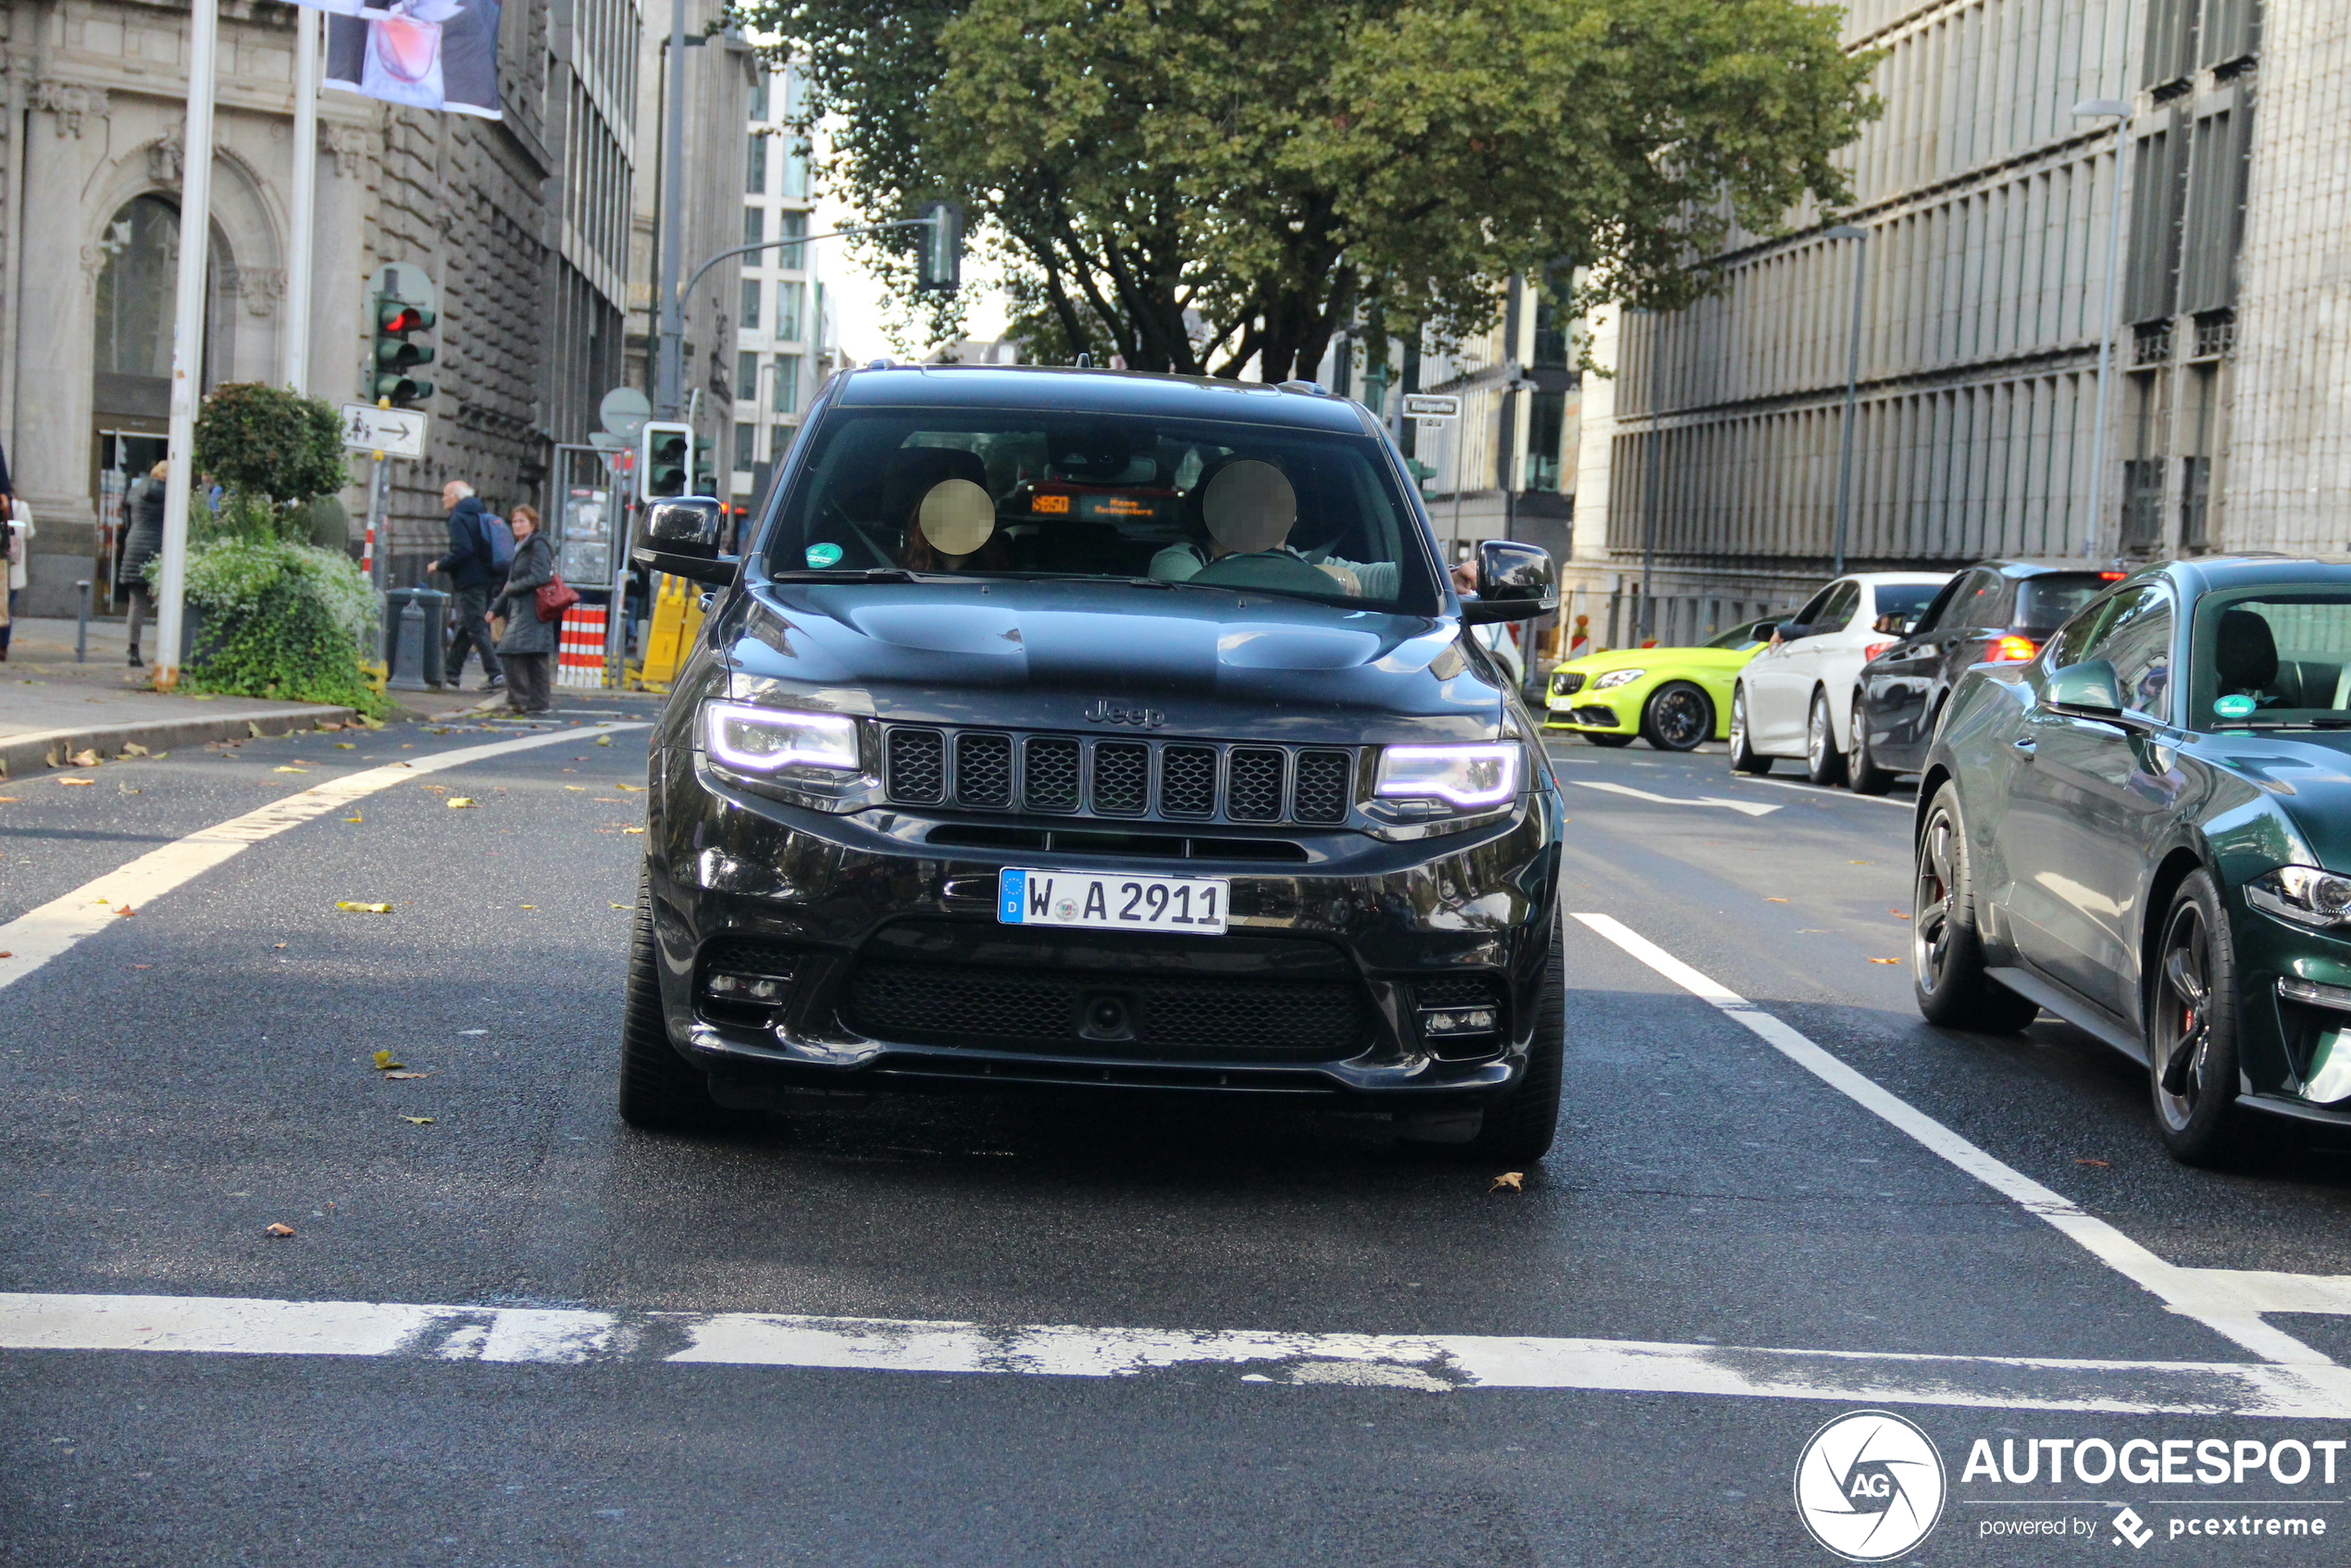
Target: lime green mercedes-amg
{"points": [[1673, 698]]}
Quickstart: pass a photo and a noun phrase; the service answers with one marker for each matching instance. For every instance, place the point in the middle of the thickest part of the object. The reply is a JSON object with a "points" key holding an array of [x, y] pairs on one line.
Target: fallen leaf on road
{"points": [[1860, 863], [126, 789], [384, 1062], [289, 770], [277, 944], [357, 908], [418, 1120], [1899, 914], [253, 729], [632, 830], [459, 803], [610, 800], [604, 740], [143, 966], [346, 746], [354, 819], [1775, 901], [330, 726], [2107, 1163], [6, 955], [1885, 960], [77, 781], [86, 759], [424, 1074], [125, 910], [132, 749], [1509, 1181], [632, 789], [279, 1231], [12, 800], [529, 906], [617, 905], [577, 788]]}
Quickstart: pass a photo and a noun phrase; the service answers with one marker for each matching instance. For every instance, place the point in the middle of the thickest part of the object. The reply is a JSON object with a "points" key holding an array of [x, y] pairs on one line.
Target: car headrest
{"points": [[2245, 651]]}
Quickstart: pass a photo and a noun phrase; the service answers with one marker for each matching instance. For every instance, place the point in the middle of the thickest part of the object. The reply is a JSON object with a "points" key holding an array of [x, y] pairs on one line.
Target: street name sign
{"points": [[1432, 405], [395, 432]]}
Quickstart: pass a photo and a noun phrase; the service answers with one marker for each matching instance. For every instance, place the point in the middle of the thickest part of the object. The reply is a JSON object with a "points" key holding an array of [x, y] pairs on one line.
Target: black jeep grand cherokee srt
{"points": [[1090, 728]]}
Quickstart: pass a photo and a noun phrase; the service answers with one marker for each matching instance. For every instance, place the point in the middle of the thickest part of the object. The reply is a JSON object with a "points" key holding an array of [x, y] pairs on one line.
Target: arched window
{"points": [[138, 289]]}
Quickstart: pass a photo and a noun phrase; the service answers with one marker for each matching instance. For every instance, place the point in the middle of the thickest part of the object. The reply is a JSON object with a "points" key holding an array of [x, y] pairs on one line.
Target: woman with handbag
{"points": [[526, 646]]}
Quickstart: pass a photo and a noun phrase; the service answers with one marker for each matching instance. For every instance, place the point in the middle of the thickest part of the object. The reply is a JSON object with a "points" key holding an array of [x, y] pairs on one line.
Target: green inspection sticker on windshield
{"points": [[2233, 707], [821, 555]]}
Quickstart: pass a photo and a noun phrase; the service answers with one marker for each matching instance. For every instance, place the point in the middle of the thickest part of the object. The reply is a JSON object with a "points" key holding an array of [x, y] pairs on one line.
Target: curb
{"points": [[43, 749]]}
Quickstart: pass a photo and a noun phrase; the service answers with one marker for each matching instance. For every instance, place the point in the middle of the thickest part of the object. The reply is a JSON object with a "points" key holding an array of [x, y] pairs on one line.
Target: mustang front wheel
{"points": [[2191, 1030]]}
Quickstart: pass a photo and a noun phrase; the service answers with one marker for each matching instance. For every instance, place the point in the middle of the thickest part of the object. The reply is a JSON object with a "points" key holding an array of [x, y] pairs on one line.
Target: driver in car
{"points": [[1246, 509]]}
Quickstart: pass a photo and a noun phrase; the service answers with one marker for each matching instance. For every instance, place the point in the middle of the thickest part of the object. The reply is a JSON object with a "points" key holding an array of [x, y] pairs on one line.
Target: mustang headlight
{"points": [[768, 742], [1618, 678], [1465, 778], [2303, 894]]}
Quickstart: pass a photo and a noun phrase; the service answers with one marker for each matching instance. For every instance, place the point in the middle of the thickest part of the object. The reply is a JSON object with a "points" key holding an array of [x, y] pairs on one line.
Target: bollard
{"points": [[407, 644], [82, 626]]}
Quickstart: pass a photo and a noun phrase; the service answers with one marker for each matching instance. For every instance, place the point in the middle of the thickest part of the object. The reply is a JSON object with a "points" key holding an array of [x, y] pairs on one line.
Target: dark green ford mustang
{"points": [[2147, 831]]}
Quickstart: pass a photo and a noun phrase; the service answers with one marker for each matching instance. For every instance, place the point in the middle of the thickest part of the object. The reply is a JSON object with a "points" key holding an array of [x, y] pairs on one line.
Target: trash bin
{"points": [[415, 620]]}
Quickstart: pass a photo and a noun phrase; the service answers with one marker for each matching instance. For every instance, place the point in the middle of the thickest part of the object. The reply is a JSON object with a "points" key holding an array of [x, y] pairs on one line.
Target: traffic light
{"points": [[663, 454], [939, 265], [396, 355], [705, 468]]}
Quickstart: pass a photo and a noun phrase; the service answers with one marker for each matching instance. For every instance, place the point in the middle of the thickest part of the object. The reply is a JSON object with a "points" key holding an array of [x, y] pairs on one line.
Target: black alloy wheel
{"points": [[1860, 765], [1946, 947], [658, 1087], [1823, 763], [1609, 739], [1743, 757], [1678, 717], [2191, 1030]]}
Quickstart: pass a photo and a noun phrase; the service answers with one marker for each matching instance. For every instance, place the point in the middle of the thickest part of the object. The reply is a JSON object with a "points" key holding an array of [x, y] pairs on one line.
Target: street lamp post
{"points": [[2117, 111], [1852, 386]]}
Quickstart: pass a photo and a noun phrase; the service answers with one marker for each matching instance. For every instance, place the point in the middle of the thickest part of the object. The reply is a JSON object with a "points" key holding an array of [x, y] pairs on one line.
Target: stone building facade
{"points": [[521, 224], [1714, 448]]}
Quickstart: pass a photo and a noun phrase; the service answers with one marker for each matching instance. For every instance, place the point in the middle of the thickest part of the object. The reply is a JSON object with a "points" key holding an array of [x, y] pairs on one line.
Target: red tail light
{"points": [[1874, 649], [2111, 576], [2010, 650]]}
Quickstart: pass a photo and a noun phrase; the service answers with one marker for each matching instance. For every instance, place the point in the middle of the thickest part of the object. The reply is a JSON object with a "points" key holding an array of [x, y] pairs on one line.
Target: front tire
{"points": [[658, 1088], [1823, 763], [1744, 758], [2192, 1030], [1860, 763], [1677, 717], [1946, 947], [1520, 1129]]}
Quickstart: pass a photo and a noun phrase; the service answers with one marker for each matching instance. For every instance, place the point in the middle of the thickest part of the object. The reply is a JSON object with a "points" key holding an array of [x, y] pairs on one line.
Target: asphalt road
{"points": [[201, 1069]]}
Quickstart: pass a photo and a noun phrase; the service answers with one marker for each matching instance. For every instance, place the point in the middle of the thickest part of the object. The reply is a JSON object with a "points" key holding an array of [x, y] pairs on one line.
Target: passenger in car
{"points": [[1246, 509], [938, 496]]}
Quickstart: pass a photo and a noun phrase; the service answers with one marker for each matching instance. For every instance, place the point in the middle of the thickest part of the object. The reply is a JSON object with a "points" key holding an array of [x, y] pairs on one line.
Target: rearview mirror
{"points": [[1515, 582], [2089, 687]]}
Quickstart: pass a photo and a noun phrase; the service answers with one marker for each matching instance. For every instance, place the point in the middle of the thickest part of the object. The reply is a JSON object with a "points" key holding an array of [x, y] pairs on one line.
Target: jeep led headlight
{"points": [[769, 740], [1465, 778]]}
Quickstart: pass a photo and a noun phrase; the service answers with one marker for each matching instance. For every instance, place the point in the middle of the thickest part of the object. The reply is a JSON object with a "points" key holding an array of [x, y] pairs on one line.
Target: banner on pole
{"points": [[425, 54]]}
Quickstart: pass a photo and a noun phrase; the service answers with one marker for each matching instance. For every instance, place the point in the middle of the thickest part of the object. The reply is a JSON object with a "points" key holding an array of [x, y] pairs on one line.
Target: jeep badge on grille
{"points": [[1103, 711]]}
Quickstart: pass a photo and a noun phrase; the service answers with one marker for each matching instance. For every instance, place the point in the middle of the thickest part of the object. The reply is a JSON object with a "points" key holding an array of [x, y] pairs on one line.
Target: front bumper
{"points": [[900, 976], [1617, 712]]}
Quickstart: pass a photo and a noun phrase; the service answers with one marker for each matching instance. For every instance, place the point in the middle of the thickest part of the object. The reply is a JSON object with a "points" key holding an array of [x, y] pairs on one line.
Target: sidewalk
{"points": [[51, 708]]}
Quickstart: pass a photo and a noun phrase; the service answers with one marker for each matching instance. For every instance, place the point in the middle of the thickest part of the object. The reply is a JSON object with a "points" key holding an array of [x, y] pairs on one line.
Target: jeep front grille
{"points": [[1066, 775]]}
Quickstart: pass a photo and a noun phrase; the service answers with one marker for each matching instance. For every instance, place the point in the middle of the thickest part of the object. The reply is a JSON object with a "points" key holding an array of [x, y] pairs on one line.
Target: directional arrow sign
{"points": [[395, 432]]}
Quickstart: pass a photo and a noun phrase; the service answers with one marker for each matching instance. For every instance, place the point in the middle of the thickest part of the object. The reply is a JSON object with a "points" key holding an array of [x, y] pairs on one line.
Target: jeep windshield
{"points": [[894, 494]]}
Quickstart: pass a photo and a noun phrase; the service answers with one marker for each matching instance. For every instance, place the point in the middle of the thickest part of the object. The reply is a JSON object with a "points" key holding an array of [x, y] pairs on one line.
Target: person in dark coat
{"points": [[474, 577], [529, 645], [142, 544]]}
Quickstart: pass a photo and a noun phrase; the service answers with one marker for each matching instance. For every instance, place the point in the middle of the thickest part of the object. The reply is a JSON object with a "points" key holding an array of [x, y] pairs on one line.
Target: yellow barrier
{"points": [[676, 622]]}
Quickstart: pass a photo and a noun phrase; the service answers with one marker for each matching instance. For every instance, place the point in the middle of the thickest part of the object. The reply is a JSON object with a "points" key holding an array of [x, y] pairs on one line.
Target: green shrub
{"points": [[270, 443], [281, 620]]}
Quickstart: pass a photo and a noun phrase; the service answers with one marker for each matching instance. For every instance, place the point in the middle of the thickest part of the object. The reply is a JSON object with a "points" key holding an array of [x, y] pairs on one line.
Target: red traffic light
{"points": [[404, 319]]}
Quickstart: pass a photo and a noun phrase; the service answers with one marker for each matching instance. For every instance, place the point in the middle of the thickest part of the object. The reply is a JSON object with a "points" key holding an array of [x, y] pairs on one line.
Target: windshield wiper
{"points": [[860, 574], [2342, 723]]}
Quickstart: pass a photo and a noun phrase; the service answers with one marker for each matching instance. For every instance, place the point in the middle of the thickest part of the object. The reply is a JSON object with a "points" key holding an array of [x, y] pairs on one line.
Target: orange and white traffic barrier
{"points": [[579, 649]]}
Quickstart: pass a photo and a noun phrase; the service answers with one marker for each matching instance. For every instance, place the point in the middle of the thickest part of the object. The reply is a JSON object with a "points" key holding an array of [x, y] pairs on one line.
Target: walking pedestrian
{"points": [[528, 643], [141, 545], [473, 578], [20, 548]]}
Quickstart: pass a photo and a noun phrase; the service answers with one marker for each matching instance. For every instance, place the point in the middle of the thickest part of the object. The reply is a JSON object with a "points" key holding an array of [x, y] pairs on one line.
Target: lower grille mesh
{"points": [[961, 1005]]}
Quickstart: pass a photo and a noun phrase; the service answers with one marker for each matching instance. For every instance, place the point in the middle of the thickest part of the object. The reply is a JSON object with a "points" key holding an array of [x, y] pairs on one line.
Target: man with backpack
{"points": [[474, 572]]}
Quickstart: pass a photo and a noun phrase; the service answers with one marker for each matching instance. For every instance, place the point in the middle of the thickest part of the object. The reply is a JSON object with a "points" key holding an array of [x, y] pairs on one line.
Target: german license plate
{"points": [[1113, 901]]}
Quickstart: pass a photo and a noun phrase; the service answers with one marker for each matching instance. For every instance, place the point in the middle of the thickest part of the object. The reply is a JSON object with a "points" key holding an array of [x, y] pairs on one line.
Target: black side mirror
{"points": [[2087, 687], [1515, 582], [681, 536]]}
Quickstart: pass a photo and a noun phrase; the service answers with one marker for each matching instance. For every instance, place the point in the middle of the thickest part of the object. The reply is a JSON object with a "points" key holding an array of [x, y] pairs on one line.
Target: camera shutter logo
{"points": [[1870, 1486]]}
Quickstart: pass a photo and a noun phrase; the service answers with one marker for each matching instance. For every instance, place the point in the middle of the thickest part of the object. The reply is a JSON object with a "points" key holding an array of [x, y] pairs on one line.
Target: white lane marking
{"points": [[2222, 1300], [1433, 1363], [1747, 808], [39, 935], [1822, 792]]}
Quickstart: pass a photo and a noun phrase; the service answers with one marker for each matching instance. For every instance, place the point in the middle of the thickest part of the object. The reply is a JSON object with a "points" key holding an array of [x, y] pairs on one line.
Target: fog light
{"points": [[1448, 1023], [766, 989]]}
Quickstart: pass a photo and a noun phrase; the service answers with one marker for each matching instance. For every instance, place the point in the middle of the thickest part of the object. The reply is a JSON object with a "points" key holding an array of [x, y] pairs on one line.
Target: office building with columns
{"points": [[521, 223], [1711, 456]]}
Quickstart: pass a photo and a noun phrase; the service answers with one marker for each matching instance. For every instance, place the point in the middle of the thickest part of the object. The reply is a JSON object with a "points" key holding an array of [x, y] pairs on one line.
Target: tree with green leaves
{"points": [[1207, 185]]}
